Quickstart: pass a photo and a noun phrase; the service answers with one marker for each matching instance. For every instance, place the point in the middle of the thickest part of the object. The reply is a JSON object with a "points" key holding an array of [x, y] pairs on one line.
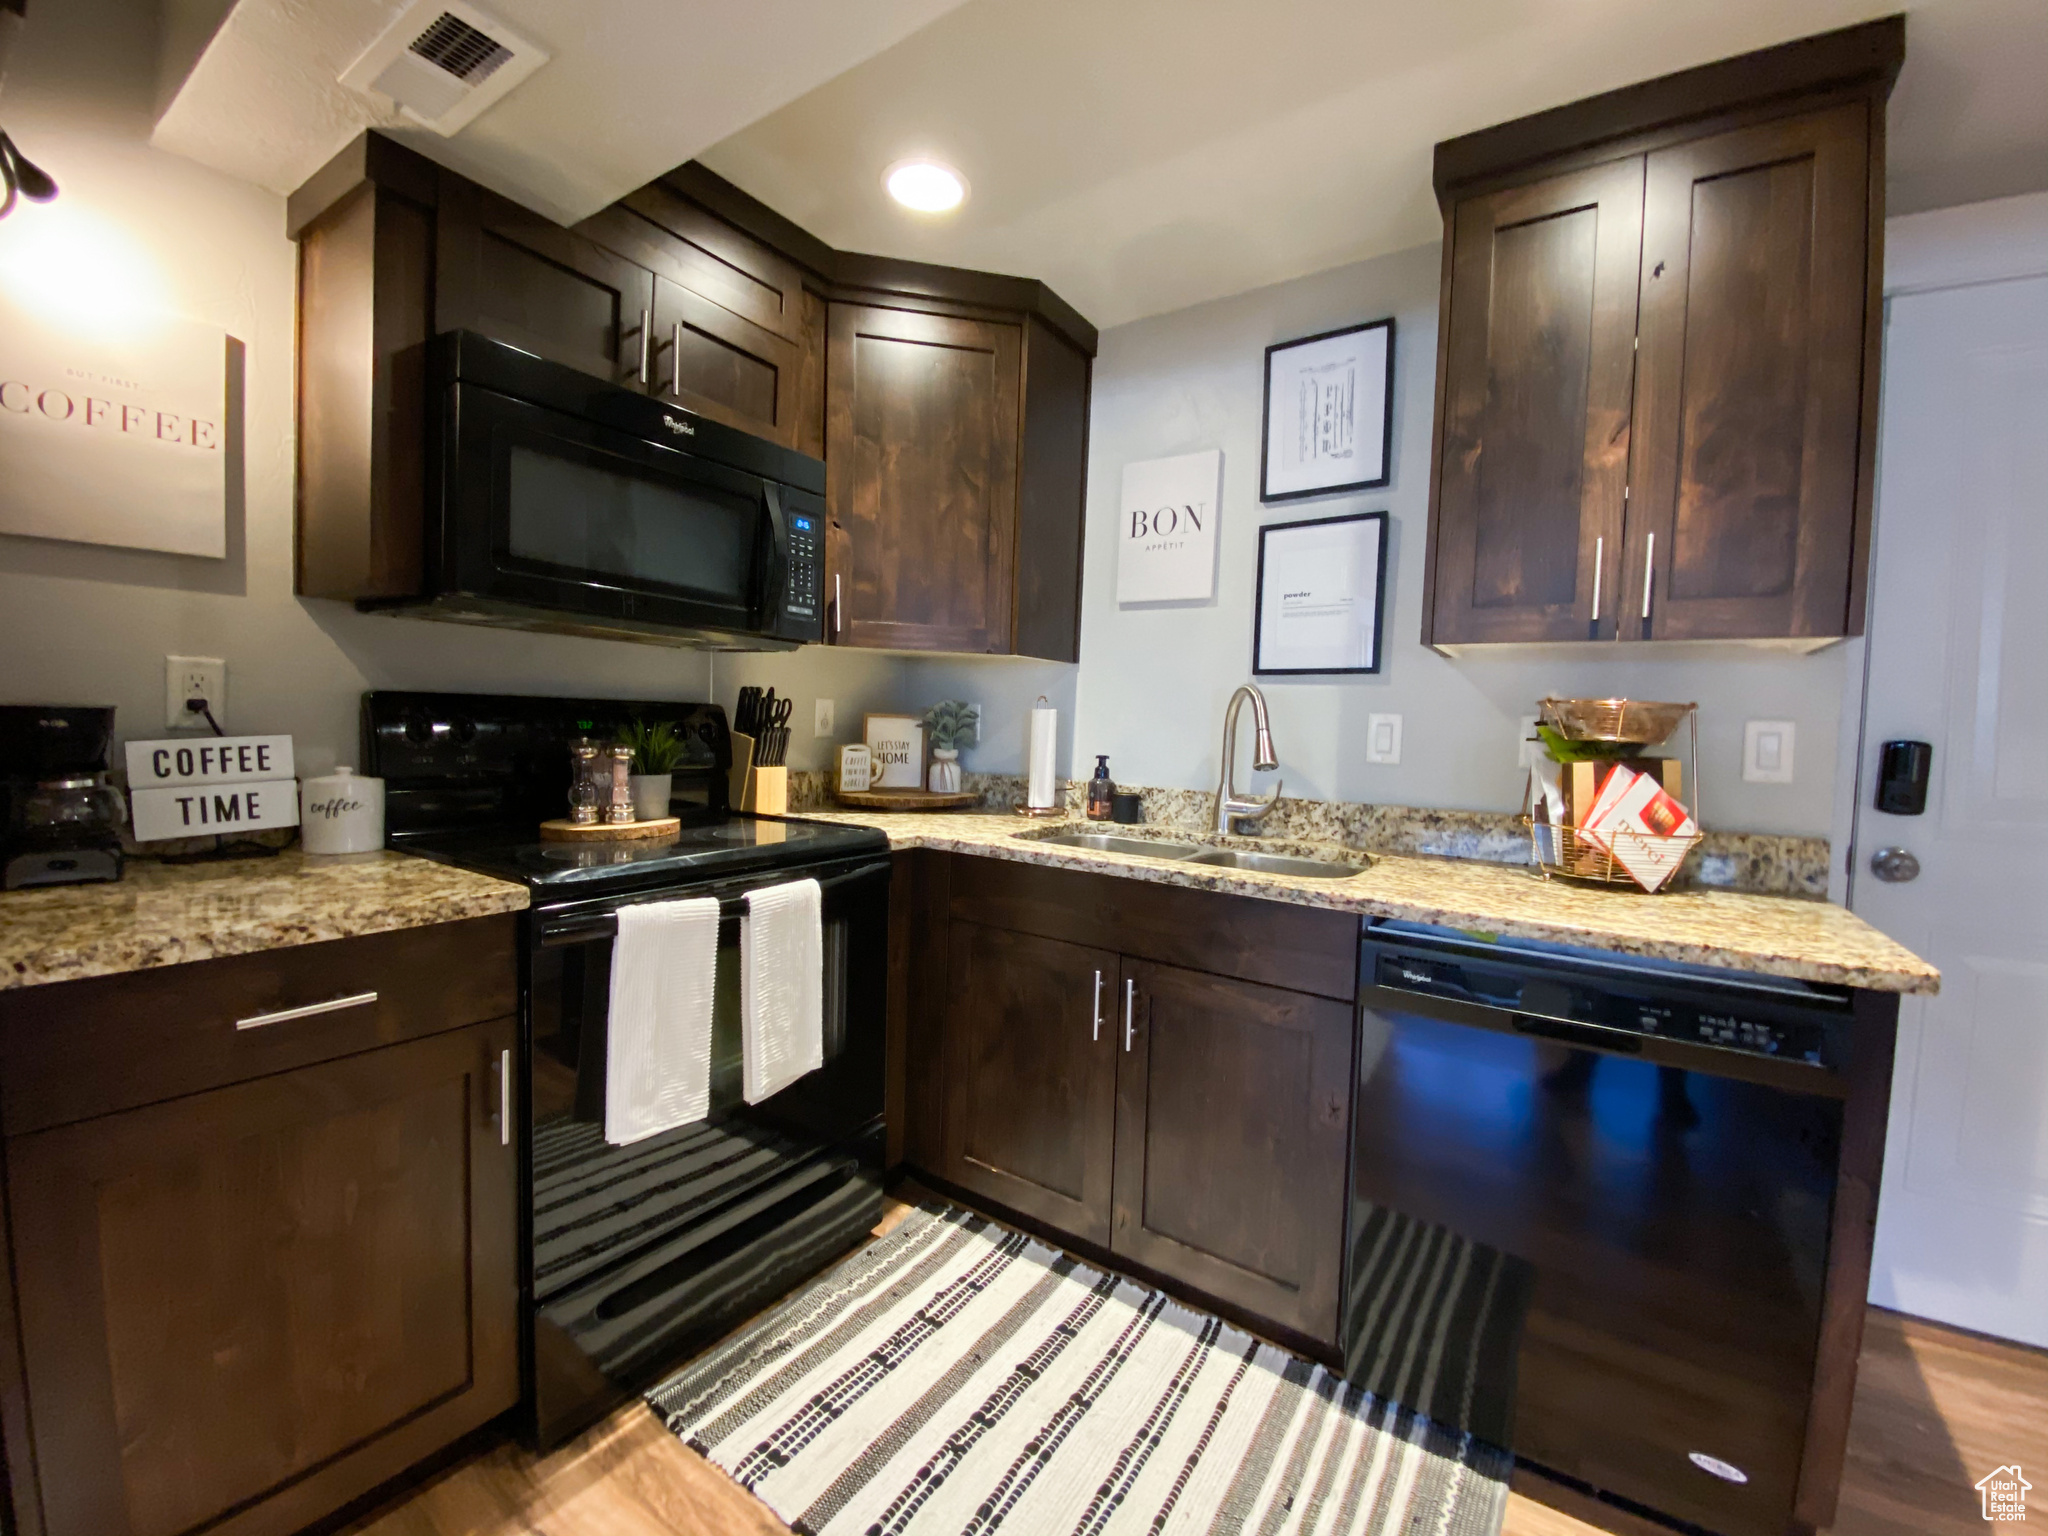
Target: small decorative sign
{"points": [[896, 751], [1166, 535], [195, 786], [1329, 420], [195, 810], [119, 439], [208, 760]]}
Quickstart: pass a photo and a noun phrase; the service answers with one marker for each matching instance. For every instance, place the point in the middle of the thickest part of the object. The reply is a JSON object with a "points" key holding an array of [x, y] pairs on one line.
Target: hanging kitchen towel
{"points": [[658, 1059], [782, 987]]}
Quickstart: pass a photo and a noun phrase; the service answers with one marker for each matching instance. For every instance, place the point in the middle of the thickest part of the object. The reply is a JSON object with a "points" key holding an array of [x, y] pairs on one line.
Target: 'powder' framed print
{"points": [[1329, 414], [1322, 588]]}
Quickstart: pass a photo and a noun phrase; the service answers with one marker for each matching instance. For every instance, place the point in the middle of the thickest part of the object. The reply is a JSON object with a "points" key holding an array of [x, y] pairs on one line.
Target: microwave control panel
{"points": [[806, 566]]}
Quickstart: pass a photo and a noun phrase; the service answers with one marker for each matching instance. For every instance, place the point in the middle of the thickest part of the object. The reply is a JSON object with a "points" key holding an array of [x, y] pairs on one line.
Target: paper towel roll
{"points": [[1045, 737]]}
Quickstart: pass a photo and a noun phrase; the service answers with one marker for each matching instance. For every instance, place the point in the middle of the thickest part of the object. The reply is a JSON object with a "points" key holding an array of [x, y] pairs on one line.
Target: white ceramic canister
{"points": [[342, 813]]}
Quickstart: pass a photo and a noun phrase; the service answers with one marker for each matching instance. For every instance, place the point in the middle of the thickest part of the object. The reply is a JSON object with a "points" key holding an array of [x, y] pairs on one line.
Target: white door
{"points": [[1958, 657]]}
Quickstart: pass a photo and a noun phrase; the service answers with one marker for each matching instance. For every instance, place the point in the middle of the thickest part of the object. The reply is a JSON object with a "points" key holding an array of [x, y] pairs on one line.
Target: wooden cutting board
{"points": [[561, 830], [906, 800]]}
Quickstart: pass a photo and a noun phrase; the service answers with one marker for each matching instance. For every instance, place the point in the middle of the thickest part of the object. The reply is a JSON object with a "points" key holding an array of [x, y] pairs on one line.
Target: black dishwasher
{"points": [[1613, 1178]]}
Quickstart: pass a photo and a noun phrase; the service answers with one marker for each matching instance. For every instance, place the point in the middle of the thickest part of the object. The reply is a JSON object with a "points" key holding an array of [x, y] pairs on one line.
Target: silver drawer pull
{"points": [[286, 1015], [505, 1097]]}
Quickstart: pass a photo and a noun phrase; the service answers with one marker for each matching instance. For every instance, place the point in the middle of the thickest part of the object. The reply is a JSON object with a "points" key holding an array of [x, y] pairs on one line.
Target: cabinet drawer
{"points": [[84, 1048], [1307, 949]]}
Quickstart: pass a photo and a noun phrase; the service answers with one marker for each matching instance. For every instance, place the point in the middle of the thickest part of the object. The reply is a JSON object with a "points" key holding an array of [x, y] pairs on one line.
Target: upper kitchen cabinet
{"points": [[953, 418], [1657, 358]]}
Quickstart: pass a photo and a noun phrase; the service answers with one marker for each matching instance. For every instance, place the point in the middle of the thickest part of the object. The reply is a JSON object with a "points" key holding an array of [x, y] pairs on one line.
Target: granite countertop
{"points": [[1764, 935], [163, 914]]}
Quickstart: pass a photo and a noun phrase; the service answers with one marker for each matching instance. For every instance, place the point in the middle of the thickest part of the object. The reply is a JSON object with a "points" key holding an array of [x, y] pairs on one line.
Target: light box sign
{"points": [[120, 439], [193, 787], [1166, 536]]}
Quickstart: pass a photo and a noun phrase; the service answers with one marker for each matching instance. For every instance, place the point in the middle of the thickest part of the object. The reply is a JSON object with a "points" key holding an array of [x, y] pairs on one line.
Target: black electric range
{"points": [[636, 1256]]}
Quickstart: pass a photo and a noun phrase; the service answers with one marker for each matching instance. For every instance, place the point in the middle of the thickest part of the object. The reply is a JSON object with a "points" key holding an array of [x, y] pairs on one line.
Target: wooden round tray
{"points": [[906, 800], [562, 830]]}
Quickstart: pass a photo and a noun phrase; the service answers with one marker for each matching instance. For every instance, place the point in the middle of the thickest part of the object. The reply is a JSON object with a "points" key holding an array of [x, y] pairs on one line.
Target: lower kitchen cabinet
{"points": [[1032, 1082], [1232, 1119], [240, 1308], [1195, 1124]]}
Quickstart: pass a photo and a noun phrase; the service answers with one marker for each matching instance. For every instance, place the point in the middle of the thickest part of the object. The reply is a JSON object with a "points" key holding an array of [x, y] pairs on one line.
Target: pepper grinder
{"points": [[620, 811], [583, 783]]}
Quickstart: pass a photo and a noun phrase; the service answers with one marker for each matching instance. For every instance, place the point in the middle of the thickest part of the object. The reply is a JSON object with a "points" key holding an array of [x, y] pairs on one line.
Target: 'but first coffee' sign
{"points": [[192, 787]]}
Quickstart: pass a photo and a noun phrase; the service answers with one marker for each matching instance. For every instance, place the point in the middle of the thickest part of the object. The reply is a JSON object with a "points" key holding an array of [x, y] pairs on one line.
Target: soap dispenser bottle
{"points": [[1101, 792]]}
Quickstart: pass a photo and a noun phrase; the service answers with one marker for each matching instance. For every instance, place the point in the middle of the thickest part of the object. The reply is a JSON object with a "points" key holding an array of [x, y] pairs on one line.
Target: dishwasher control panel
{"points": [[1564, 997]]}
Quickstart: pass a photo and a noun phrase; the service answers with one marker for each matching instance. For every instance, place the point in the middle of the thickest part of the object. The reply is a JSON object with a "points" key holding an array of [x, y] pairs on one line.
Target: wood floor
{"points": [[1935, 1411]]}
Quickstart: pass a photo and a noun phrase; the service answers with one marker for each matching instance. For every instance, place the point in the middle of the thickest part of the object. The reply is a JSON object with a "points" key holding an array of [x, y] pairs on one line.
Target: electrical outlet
{"points": [[980, 714], [1383, 738], [821, 717], [1767, 751], [195, 677]]}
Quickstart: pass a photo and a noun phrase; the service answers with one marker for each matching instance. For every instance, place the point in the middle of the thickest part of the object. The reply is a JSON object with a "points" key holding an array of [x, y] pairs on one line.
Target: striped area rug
{"points": [[957, 1376]]}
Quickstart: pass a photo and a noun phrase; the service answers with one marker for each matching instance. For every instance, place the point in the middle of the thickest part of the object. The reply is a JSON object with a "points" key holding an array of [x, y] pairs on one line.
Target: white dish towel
{"points": [[782, 987], [657, 1071]]}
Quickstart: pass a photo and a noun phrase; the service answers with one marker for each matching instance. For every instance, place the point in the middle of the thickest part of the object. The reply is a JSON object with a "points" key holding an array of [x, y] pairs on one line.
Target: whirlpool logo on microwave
{"points": [[686, 428]]}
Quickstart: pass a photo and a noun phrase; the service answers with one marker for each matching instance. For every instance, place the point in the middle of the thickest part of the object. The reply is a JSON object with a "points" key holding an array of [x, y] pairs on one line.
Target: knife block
{"points": [[759, 791]]}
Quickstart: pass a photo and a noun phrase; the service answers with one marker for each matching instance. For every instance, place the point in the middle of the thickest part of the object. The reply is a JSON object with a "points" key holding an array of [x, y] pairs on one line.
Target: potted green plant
{"points": [[656, 751], [948, 725]]}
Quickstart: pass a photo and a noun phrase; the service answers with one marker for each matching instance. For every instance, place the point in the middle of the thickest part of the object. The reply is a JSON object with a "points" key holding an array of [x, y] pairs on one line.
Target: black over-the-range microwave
{"points": [[557, 501]]}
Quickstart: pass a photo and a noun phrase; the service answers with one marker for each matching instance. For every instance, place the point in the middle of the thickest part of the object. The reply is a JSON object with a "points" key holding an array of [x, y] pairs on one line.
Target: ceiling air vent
{"points": [[443, 62]]}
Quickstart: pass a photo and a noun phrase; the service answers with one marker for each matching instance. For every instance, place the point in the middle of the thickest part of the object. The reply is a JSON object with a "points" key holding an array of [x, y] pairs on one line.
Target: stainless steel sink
{"points": [[1278, 864], [1103, 842]]}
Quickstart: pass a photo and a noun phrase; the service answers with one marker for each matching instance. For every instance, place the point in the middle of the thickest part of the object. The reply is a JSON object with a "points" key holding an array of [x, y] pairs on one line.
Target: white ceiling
{"points": [[1143, 155], [632, 89]]}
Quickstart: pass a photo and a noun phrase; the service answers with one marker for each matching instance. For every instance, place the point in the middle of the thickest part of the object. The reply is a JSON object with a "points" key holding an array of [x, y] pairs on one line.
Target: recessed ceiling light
{"points": [[925, 186]]}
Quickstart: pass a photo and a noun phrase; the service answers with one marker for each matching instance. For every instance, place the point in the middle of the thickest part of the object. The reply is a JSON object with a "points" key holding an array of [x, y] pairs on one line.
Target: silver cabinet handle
{"points": [[675, 376], [286, 1015], [1649, 571], [505, 1097], [1097, 1035], [1130, 999], [838, 612], [1599, 561], [646, 341]]}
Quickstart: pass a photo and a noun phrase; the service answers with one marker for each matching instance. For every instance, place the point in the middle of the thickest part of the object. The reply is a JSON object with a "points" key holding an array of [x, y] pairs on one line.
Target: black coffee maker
{"points": [[60, 820]]}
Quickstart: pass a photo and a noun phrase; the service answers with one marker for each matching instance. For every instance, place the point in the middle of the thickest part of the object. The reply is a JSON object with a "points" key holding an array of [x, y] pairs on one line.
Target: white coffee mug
{"points": [[342, 813]]}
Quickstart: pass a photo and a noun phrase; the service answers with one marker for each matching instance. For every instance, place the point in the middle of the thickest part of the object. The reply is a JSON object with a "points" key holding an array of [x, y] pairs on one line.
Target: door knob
{"points": [[1895, 866]]}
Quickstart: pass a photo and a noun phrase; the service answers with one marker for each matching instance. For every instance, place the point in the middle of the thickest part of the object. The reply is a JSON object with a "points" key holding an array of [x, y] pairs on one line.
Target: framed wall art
{"points": [[1321, 596], [1329, 413]]}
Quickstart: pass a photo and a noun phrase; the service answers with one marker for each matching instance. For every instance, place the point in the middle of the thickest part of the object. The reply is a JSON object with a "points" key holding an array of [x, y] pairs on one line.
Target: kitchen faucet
{"points": [[1229, 807]]}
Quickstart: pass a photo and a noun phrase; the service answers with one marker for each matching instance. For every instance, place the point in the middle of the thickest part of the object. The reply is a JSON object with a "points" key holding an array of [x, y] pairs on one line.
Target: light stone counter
{"points": [[1764, 935], [161, 914]]}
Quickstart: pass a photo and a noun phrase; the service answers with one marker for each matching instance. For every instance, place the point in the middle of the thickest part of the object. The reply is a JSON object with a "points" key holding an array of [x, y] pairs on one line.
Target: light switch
{"points": [[1383, 738], [1528, 745], [1767, 751]]}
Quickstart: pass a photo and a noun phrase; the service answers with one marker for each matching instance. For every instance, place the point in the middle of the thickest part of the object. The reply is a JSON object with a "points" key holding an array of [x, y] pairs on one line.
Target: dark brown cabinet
{"points": [[1656, 369], [257, 1271], [520, 278], [1031, 1089], [1143, 1070], [953, 418], [921, 440]]}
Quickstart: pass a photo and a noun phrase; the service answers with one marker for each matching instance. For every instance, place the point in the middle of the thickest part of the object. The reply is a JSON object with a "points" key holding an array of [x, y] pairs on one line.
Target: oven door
{"points": [[545, 510], [642, 1254]]}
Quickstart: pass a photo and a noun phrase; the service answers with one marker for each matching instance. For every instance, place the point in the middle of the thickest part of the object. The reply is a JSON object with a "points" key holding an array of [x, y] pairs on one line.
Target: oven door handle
{"points": [[605, 925]]}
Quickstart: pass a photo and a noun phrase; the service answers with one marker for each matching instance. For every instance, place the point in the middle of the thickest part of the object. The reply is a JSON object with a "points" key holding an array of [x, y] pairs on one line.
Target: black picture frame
{"points": [[1386, 414], [1379, 599]]}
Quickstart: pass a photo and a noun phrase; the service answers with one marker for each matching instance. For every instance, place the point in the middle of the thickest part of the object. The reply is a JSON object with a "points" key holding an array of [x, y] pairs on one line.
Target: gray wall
{"points": [[1154, 679]]}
